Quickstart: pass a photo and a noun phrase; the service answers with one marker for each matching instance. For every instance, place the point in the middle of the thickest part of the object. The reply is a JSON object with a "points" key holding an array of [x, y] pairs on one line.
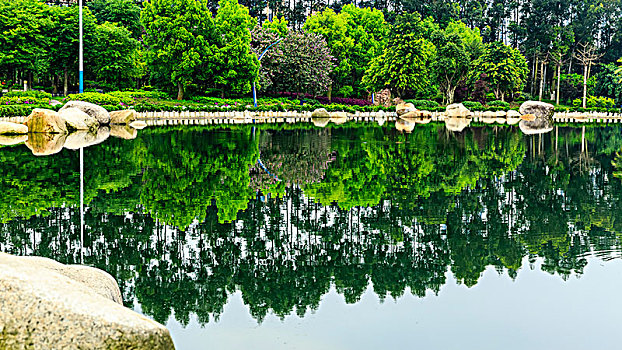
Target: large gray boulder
{"points": [[45, 121], [458, 110], [8, 128], [537, 117], [537, 108], [76, 119], [320, 113], [46, 305], [404, 108], [95, 111]]}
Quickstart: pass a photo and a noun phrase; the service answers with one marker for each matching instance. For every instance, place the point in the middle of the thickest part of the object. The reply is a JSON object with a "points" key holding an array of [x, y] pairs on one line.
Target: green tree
{"points": [[505, 68], [180, 36], [24, 40], [452, 63], [355, 36], [117, 59], [406, 61], [233, 66], [64, 50], [619, 71], [125, 13]]}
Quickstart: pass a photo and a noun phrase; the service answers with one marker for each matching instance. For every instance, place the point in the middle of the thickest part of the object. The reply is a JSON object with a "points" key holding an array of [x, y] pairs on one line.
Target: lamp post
{"points": [[260, 57], [81, 46]]}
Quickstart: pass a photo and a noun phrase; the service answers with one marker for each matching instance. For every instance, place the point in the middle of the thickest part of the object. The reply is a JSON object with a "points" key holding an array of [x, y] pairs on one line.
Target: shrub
{"points": [[31, 93], [94, 97], [498, 103], [424, 104], [473, 105], [14, 100], [592, 102]]}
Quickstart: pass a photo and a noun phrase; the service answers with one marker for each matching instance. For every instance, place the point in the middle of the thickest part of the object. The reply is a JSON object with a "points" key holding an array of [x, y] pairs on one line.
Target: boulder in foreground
{"points": [[538, 109], [45, 121], [95, 111], [46, 305]]}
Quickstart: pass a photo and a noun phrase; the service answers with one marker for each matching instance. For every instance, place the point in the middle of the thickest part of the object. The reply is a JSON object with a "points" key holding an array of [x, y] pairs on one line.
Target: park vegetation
{"points": [[568, 52]]}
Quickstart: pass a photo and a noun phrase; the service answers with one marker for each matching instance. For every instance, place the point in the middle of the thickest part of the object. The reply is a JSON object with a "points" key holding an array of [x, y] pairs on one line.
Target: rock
{"points": [[528, 117], [457, 124], [404, 108], [46, 305], [501, 114], [397, 101], [124, 117], [139, 124], [99, 281], [404, 125], [125, 132], [537, 108], [512, 121], [45, 144], [10, 140], [416, 120], [489, 114], [320, 113], [8, 128], [99, 113], [500, 120], [513, 114], [45, 121], [383, 98], [488, 120], [75, 119], [537, 126], [320, 121], [55, 103], [458, 110]]}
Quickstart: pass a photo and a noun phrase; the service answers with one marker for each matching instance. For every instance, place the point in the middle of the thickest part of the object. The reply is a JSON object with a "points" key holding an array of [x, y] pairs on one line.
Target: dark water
{"points": [[351, 237]]}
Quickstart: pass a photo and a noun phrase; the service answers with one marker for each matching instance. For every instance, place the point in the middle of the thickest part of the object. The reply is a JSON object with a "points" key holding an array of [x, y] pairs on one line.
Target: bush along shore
{"points": [[151, 104]]}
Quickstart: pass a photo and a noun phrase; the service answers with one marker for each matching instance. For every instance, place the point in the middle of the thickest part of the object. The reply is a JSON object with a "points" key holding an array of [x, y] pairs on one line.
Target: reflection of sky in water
{"points": [[536, 311]]}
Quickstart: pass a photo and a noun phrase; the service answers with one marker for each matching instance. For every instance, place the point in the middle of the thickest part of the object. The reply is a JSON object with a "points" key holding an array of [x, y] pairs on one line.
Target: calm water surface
{"points": [[347, 237]]}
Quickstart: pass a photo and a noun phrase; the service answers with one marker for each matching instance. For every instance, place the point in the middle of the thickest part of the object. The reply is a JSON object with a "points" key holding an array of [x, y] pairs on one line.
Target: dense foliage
{"points": [[443, 51]]}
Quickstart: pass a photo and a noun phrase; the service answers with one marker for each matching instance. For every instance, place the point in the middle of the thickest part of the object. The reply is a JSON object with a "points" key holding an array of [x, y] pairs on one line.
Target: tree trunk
{"points": [[330, 93], [584, 86], [559, 80], [66, 83], [180, 91], [541, 81]]}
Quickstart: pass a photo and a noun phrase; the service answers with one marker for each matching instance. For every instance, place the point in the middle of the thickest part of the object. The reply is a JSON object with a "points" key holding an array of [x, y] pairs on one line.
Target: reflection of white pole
{"points": [[80, 54], [81, 205]]}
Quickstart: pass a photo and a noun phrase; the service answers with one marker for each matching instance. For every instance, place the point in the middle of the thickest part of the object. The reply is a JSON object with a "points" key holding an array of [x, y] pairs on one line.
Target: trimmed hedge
{"points": [[32, 94]]}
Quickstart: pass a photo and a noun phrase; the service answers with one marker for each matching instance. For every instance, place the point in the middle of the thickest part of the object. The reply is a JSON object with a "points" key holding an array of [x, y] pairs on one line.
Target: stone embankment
{"points": [[48, 305], [209, 118]]}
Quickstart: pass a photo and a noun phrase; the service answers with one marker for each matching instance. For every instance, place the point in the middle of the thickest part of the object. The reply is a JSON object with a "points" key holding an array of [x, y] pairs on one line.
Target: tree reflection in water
{"points": [[183, 218]]}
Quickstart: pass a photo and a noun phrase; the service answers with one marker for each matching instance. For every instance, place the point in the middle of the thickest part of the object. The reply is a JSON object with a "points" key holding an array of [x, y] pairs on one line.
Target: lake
{"points": [[353, 236]]}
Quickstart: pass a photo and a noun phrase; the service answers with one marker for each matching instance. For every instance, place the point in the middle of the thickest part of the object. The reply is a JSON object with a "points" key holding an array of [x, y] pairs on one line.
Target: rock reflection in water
{"points": [[457, 124]]}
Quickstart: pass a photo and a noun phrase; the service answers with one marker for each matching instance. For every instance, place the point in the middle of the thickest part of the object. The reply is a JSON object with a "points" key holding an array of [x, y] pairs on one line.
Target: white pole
{"points": [[81, 56]]}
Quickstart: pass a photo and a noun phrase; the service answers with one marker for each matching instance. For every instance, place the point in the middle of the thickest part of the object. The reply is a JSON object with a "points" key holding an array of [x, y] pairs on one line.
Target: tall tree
{"points": [[505, 68], [405, 62], [355, 36], [179, 37], [233, 66]]}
